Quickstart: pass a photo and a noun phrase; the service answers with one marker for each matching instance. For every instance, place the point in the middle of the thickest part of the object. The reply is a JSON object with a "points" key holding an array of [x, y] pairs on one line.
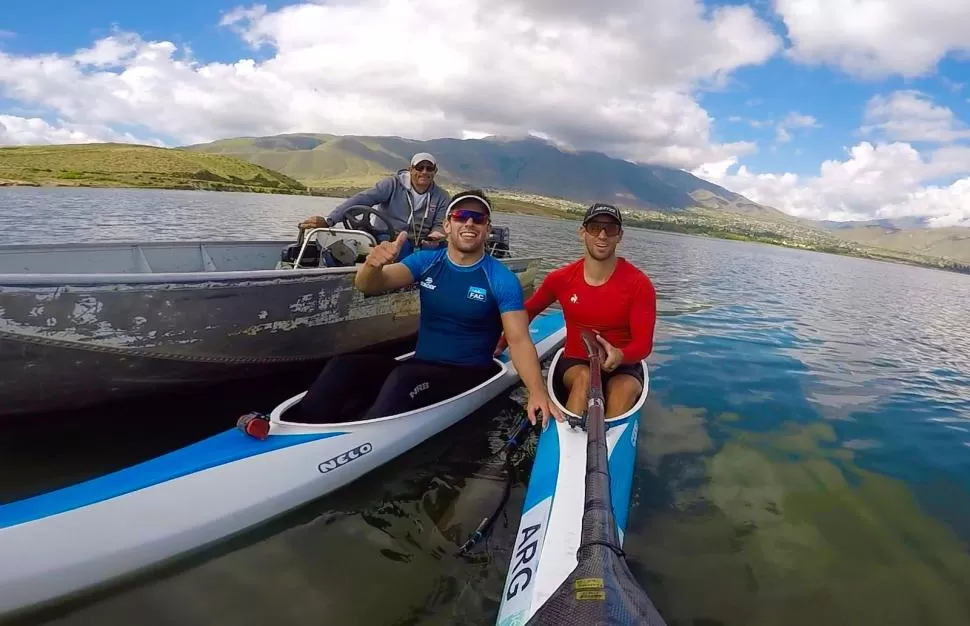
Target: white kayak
{"points": [[550, 529], [67, 541]]}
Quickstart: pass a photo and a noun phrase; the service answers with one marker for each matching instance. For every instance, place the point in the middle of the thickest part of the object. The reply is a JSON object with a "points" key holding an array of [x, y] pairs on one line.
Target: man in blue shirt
{"points": [[468, 299]]}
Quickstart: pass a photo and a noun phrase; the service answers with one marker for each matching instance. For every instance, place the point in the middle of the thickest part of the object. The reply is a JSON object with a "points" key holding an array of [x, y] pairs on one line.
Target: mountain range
{"points": [[530, 165]]}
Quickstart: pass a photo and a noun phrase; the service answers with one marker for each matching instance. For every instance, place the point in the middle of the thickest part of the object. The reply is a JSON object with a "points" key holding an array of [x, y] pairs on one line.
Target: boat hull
{"points": [[550, 528], [72, 539], [70, 341]]}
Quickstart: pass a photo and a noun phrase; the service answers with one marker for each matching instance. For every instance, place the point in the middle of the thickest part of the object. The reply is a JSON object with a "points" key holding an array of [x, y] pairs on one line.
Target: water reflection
{"points": [[787, 530]]}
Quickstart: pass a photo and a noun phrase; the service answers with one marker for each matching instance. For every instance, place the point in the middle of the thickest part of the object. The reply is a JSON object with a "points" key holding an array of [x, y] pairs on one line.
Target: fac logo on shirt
{"points": [[476, 293]]}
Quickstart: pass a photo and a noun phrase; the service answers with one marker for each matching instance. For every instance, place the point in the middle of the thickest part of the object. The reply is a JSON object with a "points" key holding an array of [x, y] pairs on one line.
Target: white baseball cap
{"points": [[423, 156]]}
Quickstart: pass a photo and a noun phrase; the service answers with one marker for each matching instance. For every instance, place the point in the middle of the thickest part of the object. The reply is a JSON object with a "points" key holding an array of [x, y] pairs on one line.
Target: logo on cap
{"points": [[603, 209]]}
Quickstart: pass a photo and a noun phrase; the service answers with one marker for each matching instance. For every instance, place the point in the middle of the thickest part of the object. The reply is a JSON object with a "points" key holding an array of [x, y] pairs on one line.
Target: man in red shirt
{"points": [[610, 296]]}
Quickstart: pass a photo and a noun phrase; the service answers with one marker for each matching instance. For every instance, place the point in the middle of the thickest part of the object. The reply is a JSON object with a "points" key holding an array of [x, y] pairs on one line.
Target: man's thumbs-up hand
{"points": [[386, 251]]}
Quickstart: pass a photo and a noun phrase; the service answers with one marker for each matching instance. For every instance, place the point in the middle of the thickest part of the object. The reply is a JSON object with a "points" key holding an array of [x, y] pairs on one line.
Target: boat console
{"points": [[345, 247]]}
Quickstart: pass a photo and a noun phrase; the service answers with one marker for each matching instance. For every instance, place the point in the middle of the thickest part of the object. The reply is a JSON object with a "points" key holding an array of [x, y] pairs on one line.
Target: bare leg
{"points": [[576, 380], [622, 392]]}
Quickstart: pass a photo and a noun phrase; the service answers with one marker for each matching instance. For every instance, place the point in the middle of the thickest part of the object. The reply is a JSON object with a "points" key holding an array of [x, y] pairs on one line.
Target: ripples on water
{"points": [[805, 456]]}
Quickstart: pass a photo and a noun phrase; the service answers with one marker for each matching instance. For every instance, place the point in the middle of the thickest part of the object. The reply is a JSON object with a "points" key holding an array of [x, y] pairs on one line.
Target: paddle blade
{"points": [[601, 591], [467, 518], [471, 509]]}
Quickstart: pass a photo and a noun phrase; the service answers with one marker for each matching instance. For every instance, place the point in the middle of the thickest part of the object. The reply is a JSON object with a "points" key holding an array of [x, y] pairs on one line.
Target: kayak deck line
{"points": [[225, 447], [185, 500], [545, 547]]}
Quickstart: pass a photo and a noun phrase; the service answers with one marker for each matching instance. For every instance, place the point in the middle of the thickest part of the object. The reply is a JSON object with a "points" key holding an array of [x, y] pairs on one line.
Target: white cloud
{"points": [[876, 38], [882, 180], [945, 206], [876, 179], [424, 70], [912, 116], [794, 119], [16, 130]]}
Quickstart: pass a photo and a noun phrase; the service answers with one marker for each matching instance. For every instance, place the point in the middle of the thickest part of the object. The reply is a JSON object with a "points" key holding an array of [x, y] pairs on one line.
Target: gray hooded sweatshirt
{"points": [[394, 196]]}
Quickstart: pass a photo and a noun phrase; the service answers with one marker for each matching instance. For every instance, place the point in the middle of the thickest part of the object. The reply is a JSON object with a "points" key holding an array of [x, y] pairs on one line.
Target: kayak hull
{"points": [[550, 528], [79, 537]]}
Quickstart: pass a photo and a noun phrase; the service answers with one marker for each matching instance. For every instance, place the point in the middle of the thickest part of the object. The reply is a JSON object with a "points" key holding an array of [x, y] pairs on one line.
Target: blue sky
{"points": [[836, 101], [705, 87], [79, 23]]}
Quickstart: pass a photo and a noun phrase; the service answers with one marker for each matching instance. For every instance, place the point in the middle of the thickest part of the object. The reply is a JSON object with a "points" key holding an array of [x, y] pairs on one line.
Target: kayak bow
{"points": [[69, 540], [568, 566]]}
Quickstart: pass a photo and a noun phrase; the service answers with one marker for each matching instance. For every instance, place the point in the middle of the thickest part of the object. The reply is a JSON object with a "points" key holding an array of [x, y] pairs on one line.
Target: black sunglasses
{"points": [[424, 168], [595, 228], [463, 215]]}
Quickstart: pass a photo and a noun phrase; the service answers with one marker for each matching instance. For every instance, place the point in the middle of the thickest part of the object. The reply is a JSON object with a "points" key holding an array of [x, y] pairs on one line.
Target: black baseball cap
{"points": [[603, 209]]}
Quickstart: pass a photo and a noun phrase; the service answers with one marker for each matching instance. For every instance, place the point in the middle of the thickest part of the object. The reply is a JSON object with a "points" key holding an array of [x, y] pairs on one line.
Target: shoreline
{"points": [[553, 208]]}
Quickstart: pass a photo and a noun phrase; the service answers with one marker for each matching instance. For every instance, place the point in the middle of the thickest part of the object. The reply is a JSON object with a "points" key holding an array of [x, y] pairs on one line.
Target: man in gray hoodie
{"points": [[410, 198]]}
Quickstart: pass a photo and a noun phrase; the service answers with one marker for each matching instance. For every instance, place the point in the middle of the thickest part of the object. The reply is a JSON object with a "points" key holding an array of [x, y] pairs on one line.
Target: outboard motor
{"points": [[497, 243], [341, 253], [311, 256]]}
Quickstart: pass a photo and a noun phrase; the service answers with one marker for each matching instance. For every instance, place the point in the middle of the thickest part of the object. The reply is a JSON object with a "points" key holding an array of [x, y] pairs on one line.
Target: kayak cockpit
{"points": [[284, 416], [557, 392]]}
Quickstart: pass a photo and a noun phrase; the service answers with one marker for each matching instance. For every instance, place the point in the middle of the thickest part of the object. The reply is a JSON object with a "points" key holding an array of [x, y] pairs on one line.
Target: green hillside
{"points": [[527, 166], [125, 165], [538, 172], [948, 243]]}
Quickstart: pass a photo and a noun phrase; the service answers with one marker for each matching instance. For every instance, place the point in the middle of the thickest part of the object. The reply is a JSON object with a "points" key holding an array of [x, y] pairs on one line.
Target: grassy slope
{"points": [[951, 243], [123, 165], [525, 166]]}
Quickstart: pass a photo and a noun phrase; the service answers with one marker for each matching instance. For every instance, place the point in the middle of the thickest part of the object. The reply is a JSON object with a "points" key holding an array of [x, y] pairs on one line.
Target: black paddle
{"points": [[601, 590]]}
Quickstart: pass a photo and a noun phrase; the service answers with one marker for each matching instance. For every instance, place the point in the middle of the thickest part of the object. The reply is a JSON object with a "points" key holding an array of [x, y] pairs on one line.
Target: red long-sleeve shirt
{"points": [[623, 309]]}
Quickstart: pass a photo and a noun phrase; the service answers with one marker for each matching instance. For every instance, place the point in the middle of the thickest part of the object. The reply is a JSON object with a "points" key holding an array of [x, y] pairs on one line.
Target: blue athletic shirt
{"points": [[460, 319]]}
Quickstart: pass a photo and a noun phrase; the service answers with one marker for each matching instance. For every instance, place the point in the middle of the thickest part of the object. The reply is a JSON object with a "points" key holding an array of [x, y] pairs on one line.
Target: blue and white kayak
{"points": [[66, 541], [550, 529]]}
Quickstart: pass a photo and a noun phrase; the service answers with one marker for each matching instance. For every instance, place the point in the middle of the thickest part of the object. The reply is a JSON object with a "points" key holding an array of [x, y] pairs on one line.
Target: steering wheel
{"points": [[358, 218]]}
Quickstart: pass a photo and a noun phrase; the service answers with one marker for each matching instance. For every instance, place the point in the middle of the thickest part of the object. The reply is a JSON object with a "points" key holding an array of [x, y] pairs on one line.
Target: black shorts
{"points": [[564, 363]]}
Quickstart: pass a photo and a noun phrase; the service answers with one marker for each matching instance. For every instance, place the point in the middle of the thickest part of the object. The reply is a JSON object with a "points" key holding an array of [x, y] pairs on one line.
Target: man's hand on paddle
{"points": [[541, 404], [385, 252], [614, 356]]}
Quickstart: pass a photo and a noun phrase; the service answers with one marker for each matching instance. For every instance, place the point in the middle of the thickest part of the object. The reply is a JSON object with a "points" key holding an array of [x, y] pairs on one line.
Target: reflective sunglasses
{"points": [[463, 215], [595, 228]]}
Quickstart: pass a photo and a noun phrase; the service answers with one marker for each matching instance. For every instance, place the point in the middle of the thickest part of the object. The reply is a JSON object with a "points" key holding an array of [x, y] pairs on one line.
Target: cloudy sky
{"points": [[835, 109]]}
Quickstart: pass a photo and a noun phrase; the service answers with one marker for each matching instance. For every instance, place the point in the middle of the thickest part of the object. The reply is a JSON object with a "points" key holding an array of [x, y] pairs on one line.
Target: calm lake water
{"points": [[804, 459]]}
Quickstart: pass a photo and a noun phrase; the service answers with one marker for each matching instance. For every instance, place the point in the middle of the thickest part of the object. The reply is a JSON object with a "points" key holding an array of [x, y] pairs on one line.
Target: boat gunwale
{"points": [[97, 278], [135, 278]]}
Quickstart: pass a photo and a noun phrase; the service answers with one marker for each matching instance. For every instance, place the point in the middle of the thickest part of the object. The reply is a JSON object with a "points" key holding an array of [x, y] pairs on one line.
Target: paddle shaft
{"points": [[599, 525], [601, 589]]}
